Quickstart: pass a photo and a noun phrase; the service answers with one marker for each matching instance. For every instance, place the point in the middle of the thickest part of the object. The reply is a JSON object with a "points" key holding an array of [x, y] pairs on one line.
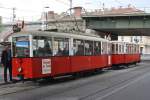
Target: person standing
{"points": [[6, 62]]}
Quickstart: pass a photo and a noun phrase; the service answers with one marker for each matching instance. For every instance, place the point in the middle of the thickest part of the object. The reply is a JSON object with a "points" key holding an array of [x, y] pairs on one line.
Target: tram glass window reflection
{"points": [[88, 47], [127, 49], [104, 47], [123, 49], [78, 47], [116, 48], [42, 46], [61, 47], [120, 49], [21, 46], [109, 48], [97, 48]]}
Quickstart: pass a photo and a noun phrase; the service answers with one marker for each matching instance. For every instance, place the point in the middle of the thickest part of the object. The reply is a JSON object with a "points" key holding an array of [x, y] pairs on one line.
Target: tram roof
{"points": [[123, 42], [85, 36]]}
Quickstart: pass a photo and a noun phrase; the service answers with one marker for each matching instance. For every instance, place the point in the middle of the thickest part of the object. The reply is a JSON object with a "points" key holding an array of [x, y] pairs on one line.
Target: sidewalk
{"points": [[1, 75]]}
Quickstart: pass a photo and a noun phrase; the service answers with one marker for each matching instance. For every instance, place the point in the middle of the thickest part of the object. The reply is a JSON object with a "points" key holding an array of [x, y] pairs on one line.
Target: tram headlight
{"points": [[19, 69]]}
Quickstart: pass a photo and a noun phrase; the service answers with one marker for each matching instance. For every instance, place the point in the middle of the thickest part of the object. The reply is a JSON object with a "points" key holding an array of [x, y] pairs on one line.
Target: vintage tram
{"points": [[124, 53], [39, 54]]}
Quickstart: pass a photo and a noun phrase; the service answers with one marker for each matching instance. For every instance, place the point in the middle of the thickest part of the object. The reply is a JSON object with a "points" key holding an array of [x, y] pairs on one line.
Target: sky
{"points": [[30, 10]]}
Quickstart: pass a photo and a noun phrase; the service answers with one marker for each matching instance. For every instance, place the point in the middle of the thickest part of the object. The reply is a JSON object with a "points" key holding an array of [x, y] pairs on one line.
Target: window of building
{"points": [[131, 39], [141, 39], [122, 38]]}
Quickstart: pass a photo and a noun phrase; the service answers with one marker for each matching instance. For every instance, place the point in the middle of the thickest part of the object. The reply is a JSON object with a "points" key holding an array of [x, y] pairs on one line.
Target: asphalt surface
{"points": [[124, 84]]}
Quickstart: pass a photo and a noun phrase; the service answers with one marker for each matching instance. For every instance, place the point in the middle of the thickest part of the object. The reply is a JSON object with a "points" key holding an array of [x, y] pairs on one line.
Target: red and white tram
{"points": [[124, 53], [38, 54]]}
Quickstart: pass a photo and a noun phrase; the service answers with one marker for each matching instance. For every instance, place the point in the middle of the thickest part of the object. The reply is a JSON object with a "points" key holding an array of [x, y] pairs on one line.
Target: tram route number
{"points": [[46, 66]]}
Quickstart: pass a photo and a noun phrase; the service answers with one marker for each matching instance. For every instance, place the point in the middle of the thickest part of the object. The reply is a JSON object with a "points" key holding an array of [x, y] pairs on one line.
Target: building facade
{"points": [[143, 41], [7, 29]]}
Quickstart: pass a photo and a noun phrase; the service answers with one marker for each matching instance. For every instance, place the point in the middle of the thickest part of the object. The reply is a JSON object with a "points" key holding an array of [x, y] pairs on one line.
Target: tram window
{"points": [[88, 47], [138, 49], [120, 49], [42, 46], [134, 48], [131, 48], [116, 48], [97, 48], [113, 48], [104, 47], [127, 48], [61, 46], [78, 47], [109, 48], [21, 46]]}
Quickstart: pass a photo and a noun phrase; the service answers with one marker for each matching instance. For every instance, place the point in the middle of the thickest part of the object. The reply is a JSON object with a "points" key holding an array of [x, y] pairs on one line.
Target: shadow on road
{"points": [[68, 78]]}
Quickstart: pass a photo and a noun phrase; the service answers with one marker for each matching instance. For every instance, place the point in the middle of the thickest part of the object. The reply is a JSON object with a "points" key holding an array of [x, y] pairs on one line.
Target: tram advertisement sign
{"points": [[46, 66]]}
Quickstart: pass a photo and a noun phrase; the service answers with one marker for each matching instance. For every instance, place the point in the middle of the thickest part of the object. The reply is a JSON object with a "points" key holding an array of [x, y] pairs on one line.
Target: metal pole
{"points": [[14, 14], [70, 6]]}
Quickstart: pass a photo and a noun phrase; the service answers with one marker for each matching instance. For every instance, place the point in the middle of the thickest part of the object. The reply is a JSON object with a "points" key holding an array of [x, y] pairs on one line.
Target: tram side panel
{"points": [[22, 66], [136, 57], [80, 63], [132, 58], [118, 59], [60, 65], [99, 62]]}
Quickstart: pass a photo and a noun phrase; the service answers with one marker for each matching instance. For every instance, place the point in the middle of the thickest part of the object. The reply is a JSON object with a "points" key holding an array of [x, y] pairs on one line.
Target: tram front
{"points": [[29, 55], [21, 55]]}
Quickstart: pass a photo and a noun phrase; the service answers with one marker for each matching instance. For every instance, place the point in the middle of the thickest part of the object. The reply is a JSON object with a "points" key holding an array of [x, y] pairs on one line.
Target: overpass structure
{"points": [[137, 24]]}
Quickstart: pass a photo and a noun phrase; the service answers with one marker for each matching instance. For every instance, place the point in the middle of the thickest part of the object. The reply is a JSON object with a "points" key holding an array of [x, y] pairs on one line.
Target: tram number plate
{"points": [[46, 66]]}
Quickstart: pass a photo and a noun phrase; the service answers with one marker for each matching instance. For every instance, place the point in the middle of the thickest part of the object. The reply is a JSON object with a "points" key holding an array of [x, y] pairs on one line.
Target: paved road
{"points": [[1, 74], [126, 84]]}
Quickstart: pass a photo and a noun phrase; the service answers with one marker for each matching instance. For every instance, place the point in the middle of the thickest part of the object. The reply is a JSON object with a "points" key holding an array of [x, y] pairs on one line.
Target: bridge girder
{"points": [[129, 24]]}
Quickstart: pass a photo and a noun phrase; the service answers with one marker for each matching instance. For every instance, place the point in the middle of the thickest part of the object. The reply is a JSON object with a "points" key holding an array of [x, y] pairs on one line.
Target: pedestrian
{"points": [[6, 62]]}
